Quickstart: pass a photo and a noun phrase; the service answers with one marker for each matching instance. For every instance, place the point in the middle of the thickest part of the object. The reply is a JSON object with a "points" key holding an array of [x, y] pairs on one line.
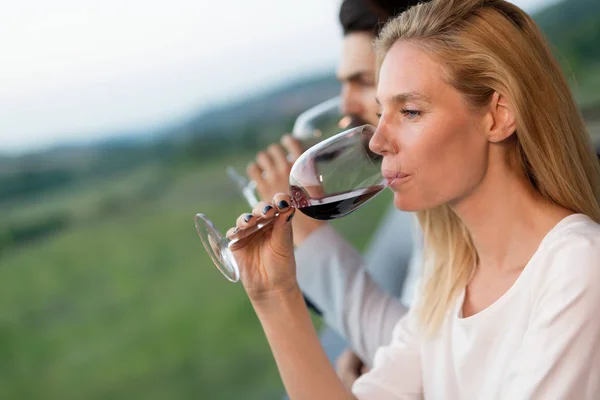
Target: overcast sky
{"points": [[82, 69]]}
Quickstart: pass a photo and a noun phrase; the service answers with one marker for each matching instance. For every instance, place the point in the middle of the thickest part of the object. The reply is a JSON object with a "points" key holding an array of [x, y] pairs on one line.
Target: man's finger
{"points": [[255, 173], [265, 162], [279, 157], [292, 145]]}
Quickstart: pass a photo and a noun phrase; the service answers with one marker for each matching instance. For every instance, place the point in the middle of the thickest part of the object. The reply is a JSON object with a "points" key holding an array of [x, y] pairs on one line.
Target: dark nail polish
{"points": [[291, 216], [247, 217], [267, 209], [283, 204]]}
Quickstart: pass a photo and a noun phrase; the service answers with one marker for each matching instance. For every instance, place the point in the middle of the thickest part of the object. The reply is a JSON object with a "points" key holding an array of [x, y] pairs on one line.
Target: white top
{"points": [[540, 340]]}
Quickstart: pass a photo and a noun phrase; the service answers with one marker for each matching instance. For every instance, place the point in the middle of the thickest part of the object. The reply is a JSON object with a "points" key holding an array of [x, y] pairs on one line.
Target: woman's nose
{"points": [[379, 143]]}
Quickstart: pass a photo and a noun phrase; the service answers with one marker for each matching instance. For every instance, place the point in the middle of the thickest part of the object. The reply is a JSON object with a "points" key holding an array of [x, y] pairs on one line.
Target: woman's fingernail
{"points": [[236, 230], [283, 204], [291, 216], [267, 209], [247, 217]]}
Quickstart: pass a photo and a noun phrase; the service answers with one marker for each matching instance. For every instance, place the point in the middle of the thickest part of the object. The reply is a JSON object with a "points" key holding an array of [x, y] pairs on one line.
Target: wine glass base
{"points": [[217, 248]]}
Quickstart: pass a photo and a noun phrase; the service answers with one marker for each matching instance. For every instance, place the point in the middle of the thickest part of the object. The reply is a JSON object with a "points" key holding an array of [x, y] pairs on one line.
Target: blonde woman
{"points": [[479, 134]]}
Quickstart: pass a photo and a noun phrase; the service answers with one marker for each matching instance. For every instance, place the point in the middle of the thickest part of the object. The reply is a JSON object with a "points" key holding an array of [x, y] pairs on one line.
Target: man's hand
{"points": [[349, 367], [271, 172]]}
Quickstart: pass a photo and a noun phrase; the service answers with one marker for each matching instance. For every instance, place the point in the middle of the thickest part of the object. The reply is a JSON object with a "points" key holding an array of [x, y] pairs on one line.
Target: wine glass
{"points": [[329, 180], [309, 128]]}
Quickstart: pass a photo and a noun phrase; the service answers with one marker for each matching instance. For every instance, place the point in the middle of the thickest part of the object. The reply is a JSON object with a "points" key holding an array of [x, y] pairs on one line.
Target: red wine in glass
{"points": [[339, 205]]}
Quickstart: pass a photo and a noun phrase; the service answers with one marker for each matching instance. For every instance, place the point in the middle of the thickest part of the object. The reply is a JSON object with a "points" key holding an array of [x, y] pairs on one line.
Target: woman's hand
{"points": [[268, 272], [266, 257]]}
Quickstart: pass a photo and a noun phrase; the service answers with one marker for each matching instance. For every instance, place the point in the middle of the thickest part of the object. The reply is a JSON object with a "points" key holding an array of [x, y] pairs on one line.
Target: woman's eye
{"points": [[378, 115], [411, 114]]}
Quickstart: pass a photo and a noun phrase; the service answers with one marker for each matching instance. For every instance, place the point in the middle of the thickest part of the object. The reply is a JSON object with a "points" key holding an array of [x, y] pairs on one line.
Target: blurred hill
{"points": [[573, 28], [239, 126], [249, 124], [283, 103]]}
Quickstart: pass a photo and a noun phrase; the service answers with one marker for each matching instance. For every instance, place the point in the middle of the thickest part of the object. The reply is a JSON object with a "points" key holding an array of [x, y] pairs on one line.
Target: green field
{"points": [[125, 304]]}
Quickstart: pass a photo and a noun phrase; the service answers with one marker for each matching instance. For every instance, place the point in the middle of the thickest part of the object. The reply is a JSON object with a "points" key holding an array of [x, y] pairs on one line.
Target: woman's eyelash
{"points": [[411, 113]]}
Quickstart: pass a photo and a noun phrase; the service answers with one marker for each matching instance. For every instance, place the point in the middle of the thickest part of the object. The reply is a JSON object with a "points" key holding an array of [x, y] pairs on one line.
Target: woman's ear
{"points": [[503, 119]]}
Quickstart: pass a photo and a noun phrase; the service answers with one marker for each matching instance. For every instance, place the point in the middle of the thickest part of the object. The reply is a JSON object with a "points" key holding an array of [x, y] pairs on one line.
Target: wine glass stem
{"points": [[261, 223]]}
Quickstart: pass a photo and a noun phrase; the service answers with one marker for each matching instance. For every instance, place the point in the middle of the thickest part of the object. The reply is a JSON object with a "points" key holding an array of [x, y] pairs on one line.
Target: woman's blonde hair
{"points": [[488, 46]]}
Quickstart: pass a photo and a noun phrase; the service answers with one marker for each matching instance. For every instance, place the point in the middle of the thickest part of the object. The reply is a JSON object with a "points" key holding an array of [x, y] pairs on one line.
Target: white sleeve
{"points": [[332, 275], [560, 354], [396, 374]]}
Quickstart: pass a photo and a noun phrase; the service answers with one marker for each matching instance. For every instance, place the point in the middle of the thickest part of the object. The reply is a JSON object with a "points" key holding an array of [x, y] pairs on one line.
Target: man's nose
{"points": [[351, 103]]}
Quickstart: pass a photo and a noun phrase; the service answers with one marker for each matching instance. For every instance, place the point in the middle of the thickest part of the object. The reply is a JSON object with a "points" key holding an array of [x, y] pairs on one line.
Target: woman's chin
{"points": [[405, 203]]}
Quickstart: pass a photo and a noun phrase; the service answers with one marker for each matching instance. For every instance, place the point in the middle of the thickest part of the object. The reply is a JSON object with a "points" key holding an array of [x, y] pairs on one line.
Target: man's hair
{"points": [[370, 15]]}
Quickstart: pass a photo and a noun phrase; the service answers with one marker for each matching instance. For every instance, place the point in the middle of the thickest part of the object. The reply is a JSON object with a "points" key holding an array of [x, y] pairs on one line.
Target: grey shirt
{"points": [[358, 296]]}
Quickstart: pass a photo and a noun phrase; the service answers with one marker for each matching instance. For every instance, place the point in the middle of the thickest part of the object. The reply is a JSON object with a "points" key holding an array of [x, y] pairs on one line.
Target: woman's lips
{"points": [[394, 178]]}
